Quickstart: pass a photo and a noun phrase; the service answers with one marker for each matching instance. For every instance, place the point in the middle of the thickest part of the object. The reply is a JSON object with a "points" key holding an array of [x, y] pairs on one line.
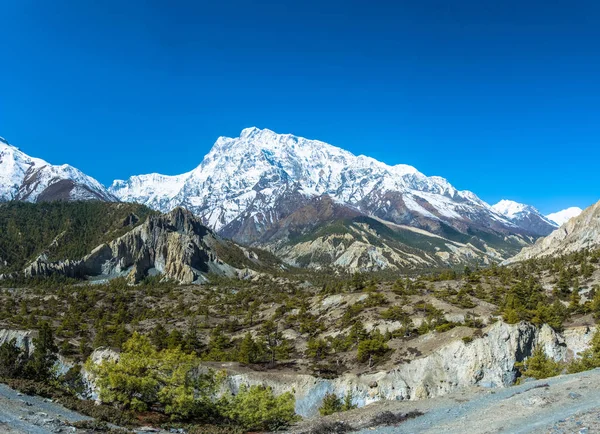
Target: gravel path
{"points": [[21, 413], [569, 404], [561, 405]]}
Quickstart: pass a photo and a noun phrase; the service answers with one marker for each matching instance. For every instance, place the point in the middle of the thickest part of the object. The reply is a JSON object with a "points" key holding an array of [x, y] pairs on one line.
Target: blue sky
{"points": [[501, 98]]}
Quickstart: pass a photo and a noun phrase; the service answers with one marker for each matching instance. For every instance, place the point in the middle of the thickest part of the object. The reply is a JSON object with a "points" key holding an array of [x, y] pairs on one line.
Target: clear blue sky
{"points": [[499, 97]]}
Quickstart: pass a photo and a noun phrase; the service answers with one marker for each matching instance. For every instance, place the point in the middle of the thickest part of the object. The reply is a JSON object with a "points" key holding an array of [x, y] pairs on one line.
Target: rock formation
{"points": [[175, 245]]}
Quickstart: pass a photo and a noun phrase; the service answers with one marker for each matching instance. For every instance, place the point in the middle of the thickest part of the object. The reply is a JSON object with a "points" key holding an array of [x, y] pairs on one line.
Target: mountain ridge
{"points": [[32, 179], [526, 217], [245, 186], [262, 189]]}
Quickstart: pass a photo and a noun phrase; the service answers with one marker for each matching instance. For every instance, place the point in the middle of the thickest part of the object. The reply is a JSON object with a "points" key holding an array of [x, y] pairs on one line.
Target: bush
{"points": [[257, 408], [333, 404], [373, 349], [389, 418], [144, 376], [11, 359], [539, 365], [332, 428]]}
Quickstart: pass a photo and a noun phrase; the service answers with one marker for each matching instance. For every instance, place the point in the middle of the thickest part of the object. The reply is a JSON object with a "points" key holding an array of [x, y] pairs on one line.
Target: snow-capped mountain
{"points": [[260, 166], [34, 180], [526, 217], [247, 185], [580, 232], [561, 217]]}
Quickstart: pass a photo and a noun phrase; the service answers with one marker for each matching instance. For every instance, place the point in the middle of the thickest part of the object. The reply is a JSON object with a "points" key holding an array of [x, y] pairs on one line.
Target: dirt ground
{"points": [[560, 405]]}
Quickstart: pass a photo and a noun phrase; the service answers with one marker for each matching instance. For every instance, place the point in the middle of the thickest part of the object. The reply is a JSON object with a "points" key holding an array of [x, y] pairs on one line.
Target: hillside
{"points": [[61, 230], [106, 240]]}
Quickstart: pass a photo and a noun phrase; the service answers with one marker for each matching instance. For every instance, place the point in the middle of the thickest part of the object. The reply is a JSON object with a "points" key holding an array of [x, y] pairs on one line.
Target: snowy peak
{"points": [[14, 166], [32, 179], [512, 209], [245, 185], [261, 163], [525, 216], [561, 217]]}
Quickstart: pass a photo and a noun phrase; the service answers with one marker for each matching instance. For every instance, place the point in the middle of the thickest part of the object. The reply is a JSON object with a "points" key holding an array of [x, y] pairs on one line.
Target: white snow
{"points": [[227, 182], [561, 217], [515, 212], [25, 177], [510, 208]]}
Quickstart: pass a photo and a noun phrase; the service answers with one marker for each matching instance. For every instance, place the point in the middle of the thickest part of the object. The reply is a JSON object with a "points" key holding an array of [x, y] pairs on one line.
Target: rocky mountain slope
{"points": [[561, 217], [578, 233], [526, 217], [175, 245], [246, 188], [323, 234], [61, 230], [34, 180]]}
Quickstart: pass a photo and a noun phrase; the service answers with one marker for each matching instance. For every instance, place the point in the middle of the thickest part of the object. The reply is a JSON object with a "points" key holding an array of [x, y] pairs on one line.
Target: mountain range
{"points": [[310, 203]]}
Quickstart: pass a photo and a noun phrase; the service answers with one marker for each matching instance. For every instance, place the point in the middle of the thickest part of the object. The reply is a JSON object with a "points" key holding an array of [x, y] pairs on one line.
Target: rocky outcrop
{"points": [[487, 362], [175, 245], [581, 232], [23, 338]]}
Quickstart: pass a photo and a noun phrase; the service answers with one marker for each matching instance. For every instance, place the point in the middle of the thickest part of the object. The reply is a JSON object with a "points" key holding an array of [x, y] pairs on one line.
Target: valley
{"points": [[282, 284]]}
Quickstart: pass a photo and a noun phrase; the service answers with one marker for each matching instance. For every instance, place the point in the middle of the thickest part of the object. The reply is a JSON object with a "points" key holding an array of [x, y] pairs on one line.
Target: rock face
{"points": [[324, 233], [581, 232], [175, 245], [23, 338], [486, 362]]}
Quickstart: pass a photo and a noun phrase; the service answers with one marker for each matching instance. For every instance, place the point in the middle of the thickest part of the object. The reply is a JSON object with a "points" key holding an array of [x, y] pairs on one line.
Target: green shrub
{"points": [[373, 349], [11, 359], [334, 404], [144, 376], [539, 365], [331, 404], [257, 408]]}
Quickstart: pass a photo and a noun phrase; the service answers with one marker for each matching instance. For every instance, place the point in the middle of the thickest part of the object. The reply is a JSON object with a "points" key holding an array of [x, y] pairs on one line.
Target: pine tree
{"points": [[574, 306], [249, 350], [159, 336], [11, 359], [41, 363]]}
